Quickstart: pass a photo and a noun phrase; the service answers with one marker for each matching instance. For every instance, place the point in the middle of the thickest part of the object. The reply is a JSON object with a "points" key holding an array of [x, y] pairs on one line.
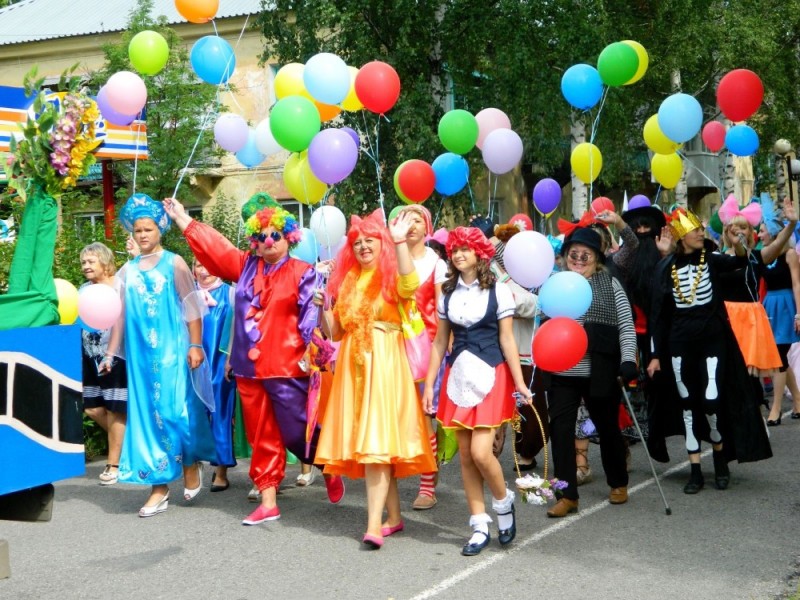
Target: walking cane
{"points": [[644, 443]]}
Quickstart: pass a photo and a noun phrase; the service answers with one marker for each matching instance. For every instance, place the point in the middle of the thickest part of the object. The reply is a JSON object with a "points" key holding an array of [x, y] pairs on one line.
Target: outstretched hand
{"points": [[177, 212], [665, 242], [398, 227], [788, 210]]}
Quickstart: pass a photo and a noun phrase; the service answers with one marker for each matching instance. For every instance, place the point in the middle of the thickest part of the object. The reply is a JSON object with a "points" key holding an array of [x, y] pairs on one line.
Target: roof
{"points": [[36, 20]]}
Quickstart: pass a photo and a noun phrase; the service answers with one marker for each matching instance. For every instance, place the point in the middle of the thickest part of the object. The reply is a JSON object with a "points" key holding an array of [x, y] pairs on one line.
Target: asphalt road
{"points": [[738, 543]]}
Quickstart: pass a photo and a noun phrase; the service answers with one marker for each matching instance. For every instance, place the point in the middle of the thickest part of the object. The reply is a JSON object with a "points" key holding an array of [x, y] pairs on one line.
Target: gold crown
{"points": [[682, 222]]}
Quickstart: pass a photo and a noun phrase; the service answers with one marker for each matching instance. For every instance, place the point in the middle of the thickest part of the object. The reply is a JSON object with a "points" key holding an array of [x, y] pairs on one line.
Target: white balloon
{"points": [[328, 224], [265, 143]]}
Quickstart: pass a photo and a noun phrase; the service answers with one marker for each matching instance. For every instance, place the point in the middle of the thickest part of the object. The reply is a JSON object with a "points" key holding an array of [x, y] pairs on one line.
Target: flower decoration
{"points": [[57, 141], [538, 490]]}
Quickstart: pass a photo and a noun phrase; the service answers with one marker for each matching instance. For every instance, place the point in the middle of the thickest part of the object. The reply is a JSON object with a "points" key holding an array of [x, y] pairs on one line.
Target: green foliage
{"points": [[95, 440], [224, 216]]}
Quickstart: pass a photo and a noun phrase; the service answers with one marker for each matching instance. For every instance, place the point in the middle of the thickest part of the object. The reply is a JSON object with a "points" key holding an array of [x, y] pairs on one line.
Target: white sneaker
{"points": [[306, 479]]}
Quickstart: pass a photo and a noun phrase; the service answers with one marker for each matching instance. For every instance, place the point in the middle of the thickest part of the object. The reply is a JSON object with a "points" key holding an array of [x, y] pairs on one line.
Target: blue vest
{"points": [[480, 338]]}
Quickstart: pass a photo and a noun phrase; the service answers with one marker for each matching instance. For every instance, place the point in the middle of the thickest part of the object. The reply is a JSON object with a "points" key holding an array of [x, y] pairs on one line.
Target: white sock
{"points": [[480, 528], [502, 509]]}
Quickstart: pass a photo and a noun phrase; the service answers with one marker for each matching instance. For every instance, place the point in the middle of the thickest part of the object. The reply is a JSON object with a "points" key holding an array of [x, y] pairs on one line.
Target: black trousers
{"points": [[563, 401]]}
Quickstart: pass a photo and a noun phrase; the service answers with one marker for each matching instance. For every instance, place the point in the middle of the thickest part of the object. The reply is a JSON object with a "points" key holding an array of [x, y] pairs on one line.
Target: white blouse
{"points": [[468, 303]]}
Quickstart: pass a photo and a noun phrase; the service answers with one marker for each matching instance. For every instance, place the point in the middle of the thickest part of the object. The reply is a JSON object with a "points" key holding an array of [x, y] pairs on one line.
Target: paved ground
{"points": [[740, 543]]}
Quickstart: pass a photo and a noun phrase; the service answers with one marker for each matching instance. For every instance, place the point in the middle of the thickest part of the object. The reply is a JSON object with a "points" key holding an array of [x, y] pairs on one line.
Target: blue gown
{"points": [[216, 342], [168, 425]]}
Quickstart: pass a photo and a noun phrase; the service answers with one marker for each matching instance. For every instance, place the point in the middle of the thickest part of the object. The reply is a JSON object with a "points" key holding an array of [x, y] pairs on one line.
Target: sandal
{"points": [[109, 477], [584, 472]]}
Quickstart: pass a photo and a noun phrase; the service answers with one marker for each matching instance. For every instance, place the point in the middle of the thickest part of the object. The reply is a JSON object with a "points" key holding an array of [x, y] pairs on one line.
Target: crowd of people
{"points": [[697, 326]]}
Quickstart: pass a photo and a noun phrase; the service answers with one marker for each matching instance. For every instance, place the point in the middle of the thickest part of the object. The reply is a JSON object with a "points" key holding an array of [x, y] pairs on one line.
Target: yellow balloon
{"points": [[351, 103], [67, 301], [300, 180], [656, 140], [644, 61], [586, 162], [667, 169], [289, 81]]}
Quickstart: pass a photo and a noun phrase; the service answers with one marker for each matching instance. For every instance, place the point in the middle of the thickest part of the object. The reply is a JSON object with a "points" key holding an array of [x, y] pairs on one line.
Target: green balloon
{"points": [[294, 121], [395, 211], [458, 131], [148, 52], [715, 224], [617, 64]]}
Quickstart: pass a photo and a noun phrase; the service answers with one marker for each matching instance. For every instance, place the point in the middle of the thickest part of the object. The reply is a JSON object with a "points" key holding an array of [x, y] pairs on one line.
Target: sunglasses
{"points": [[262, 237], [581, 257]]}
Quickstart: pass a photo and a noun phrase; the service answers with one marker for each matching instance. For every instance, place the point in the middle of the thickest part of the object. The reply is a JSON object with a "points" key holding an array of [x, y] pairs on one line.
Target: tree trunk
{"points": [[580, 192]]}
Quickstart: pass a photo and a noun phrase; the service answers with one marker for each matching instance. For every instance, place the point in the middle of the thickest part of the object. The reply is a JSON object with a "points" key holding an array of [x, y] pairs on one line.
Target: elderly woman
{"points": [[612, 351], [373, 425], [168, 430]]}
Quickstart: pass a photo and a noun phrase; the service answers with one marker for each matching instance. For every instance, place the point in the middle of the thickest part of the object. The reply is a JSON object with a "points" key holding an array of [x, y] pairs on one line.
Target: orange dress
{"points": [[373, 414]]}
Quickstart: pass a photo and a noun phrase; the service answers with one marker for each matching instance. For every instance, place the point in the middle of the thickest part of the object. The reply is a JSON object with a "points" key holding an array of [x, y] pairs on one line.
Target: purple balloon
{"points": [[638, 201], [108, 113], [546, 195], [231, 132], [353, 134], [332, 155], [502, 150]]}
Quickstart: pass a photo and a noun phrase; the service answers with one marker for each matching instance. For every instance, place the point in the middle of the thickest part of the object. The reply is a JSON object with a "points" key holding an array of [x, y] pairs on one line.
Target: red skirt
{"points": [[496, 408]]}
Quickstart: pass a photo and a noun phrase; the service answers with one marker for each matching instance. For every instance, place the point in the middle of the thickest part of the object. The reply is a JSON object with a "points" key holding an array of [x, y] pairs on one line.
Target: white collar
{"points": [[461, 283]]}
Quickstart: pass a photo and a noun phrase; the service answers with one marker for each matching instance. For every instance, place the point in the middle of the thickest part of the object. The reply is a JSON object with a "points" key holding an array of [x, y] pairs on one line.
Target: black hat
{"points": [[649, 212], [485, 225], [588, 237]]}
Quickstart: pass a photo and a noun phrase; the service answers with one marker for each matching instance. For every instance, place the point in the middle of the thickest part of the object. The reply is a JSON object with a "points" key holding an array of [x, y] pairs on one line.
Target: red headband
{"points": [[472, 238]]}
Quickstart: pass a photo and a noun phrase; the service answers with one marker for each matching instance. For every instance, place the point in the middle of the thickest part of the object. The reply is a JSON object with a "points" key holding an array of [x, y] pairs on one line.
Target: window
{"points": [[495, 210], [88, 221], [301, 211]]}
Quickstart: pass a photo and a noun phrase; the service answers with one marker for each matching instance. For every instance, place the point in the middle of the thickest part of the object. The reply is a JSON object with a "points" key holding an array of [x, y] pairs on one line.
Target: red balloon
{"points": [[377, 86], [739, 94], [559, 344], [522, 221], [601, 203], [714, 135], [416, 180]]}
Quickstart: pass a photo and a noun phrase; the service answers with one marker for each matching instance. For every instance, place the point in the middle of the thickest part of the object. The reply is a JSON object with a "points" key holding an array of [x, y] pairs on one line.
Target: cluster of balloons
{"points": [[739, 95], [94, 307]]}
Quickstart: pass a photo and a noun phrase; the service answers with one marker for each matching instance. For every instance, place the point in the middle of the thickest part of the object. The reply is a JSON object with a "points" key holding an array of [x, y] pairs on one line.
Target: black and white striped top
{"points": [[686, 276]]}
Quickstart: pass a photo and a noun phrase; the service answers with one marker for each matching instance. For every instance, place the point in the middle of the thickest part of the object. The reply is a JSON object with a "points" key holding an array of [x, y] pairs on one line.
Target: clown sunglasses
{"points": [[262, 237]]}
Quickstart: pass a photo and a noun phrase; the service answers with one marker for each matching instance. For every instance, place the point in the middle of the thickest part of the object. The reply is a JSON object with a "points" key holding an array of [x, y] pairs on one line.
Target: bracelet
{"points": [[396, 243], [196, 346], [797, 317]]}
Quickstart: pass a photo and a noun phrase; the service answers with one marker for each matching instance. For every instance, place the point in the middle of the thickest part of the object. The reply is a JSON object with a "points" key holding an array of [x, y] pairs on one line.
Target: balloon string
{"points": [[596, 121], [377, 164], [438, 212], [136, 154], [658, 193], [694, 166], [471, 196], [371, 153]]}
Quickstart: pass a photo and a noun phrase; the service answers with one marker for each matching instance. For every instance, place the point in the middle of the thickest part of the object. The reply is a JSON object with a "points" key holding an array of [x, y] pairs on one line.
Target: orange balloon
{"points": [[327, 111], [197, 11]]}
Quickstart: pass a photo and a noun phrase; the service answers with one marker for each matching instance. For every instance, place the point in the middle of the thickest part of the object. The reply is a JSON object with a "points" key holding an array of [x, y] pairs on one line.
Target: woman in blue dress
{"points": [[168, 428]]}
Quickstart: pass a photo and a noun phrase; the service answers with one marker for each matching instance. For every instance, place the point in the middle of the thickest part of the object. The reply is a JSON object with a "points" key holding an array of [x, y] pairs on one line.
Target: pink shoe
{"points": [[372, 542], [335, 486], [262, 514], [387, 531]]}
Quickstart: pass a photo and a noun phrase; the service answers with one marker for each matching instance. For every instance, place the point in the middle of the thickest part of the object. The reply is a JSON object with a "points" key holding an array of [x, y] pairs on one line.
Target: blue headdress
{"points": [[142, 206], [772, 218]]}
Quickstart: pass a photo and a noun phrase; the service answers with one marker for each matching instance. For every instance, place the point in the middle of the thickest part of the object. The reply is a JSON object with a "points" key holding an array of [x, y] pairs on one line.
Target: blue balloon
{"points": [[452, 173], [680, 117], [741, 140], [213, 59], [581, 86], [79, 322], [306, 250], [565, 294], [250, 156]]}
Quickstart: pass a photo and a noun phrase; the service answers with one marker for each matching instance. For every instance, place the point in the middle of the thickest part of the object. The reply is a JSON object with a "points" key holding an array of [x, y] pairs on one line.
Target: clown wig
{"points": [[280, 220]]}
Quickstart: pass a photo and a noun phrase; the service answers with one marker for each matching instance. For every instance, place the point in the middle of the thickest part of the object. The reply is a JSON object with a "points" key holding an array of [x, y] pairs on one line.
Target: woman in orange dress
{"points": [[373, 425]]}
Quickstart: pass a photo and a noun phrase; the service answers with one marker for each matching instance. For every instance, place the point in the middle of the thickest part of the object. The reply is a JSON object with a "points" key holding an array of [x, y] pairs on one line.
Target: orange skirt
{"points": [[496, 408], [753, 333]]}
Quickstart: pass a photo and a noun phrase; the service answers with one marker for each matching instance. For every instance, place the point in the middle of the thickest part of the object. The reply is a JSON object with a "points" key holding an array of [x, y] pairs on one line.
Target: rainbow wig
{"points": [[280, 220]]}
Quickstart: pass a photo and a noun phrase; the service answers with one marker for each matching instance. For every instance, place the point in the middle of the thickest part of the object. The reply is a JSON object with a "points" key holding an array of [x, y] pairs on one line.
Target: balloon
{"points": [[231, 132], [294, 121], [680, 117], [351, 103], [395, 212], [398, 191], [715, 223], [327, 253], [559, 344], [601, 204], [79, 322], [617, 64], [416, 180], [353, 134], [586, 162], [458, 131], [714, 135], [212, 59], [265, 143], [739, 94], [452, 173], [581, 86], [300, 180], [655, 138], [667, 169], [249, 155], [502, 150], [644, 61], [289, 81], [565, 294], [522, 221], [99, 306], [148, 52], [327, 112], [377, 86], [108, 113], [328, 223], [332, 155], [638, 201], [126, 93], [197, 11], [741, 140], [546, 195], [306, 248], [327, 78], [529, 258], [67, 301], [488, 120]]}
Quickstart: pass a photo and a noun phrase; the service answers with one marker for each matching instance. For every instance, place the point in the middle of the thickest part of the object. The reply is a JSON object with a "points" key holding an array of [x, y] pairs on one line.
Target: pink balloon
{"points": [[714, 135], [529, 258], [108, 113], [488, 120], [502, 150], [126, 93], [231, 132], [99, 306]]}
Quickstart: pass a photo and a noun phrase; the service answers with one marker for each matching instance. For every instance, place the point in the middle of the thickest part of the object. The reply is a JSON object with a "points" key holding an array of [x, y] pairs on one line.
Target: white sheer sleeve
{"points": [[193, 305]]}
